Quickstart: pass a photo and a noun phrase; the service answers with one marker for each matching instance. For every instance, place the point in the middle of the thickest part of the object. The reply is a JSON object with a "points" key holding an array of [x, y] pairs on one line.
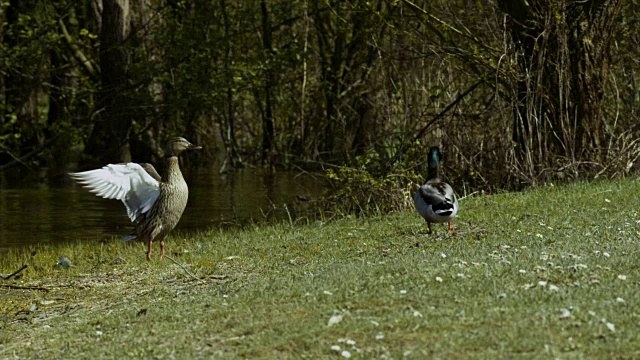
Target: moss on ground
{"points": [[546, 273]]}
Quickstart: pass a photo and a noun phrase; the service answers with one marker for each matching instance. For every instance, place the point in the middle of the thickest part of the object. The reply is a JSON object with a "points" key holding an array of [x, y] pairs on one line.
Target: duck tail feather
{"points": [[128, 237]]}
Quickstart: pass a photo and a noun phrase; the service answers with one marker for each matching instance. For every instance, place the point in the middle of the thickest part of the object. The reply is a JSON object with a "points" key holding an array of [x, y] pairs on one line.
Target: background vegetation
{"points": [[515, 92]]}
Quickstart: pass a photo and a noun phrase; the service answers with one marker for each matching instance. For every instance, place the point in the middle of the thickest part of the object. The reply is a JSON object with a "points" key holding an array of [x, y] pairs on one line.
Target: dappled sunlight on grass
{"points": [[546, 272]]}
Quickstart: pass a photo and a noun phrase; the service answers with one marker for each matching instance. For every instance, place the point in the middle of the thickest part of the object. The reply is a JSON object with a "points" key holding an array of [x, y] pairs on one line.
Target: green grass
{"points": [[270, 291]]}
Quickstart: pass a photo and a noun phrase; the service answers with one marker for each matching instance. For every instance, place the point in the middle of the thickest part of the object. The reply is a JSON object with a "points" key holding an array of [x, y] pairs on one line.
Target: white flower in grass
{"points": [[379, 336], [502, 295], [438, 279], [334, 320], [539, 235], [443, 255], [417, 313], [611, 326], [553, 287], [606, 254], [542, 283], [460, 275], [350, 342], [622, 277], [98, 332], [522, 271], [341, 340], [403, 292], [607, 200], [565, 313], [346, 354], [335, 347], [327, 292], [619, 299]]}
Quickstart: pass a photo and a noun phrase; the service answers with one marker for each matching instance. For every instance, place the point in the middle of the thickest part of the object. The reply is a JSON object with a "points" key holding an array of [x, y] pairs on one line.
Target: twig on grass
{"points": [[467, 196], [182, 266], [24, 287], [15, 272]]}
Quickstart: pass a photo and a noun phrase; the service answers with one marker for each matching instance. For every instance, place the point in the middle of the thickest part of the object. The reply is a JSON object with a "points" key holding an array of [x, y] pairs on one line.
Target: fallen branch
{"points": [[16, 160], [183, 268], [22, 160], [441, 114], [24, 287], [470, 195], [77, 53], [15, 272]]}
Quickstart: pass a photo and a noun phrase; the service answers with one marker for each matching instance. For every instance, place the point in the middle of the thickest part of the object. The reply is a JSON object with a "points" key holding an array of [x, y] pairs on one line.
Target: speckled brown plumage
{"points": [[167, 211]]}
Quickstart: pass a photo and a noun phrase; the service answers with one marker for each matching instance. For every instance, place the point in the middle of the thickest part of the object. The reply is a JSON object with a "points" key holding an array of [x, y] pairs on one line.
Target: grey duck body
{"points": [[436, 201]]}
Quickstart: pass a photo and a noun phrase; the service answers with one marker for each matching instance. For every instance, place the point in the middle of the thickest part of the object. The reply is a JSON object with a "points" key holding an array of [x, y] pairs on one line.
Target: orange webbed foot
{"points": [[149, 245], [450, 228], [161, 250]]}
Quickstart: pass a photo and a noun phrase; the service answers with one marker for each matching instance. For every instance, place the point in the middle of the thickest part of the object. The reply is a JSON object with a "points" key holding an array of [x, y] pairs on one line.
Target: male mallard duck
{"points": [[155, 204], [435, 201]]}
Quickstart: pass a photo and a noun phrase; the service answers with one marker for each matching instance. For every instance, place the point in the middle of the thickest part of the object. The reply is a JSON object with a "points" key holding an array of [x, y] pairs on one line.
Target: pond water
{"points": [[35, 213]]}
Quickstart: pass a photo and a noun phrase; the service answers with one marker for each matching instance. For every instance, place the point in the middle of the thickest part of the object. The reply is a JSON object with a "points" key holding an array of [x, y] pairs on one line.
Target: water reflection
{"points": [[63, 211]]}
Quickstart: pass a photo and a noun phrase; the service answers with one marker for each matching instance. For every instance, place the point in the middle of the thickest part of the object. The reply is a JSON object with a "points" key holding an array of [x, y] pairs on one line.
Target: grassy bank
{"points": [[546, 273]]}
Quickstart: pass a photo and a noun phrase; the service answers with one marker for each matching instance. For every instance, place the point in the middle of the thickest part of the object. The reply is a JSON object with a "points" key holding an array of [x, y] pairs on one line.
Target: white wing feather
{"points": [[128, 182]]}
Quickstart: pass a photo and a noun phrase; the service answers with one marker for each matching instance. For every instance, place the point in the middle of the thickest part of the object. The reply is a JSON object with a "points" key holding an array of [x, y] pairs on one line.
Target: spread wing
{"points": [[151, 171], [129, 182]]}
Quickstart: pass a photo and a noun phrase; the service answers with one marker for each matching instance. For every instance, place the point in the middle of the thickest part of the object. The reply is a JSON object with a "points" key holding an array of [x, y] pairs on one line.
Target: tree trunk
{"points": [[21, 82], [232, 157], [109, 140], [57, 105], [269, 83], [3, 70]]}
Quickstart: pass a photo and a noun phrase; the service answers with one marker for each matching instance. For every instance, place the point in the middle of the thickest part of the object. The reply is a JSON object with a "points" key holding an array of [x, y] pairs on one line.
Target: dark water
{"points": [[33, 213]]}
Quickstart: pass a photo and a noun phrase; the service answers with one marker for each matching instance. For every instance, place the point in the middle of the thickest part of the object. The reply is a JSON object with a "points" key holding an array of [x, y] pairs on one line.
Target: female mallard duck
{"points": [[435, 201], [155, 204]]}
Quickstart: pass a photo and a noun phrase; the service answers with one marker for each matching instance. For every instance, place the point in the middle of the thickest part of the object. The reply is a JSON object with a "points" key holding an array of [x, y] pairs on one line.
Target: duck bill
{"points": [[194, 147]]}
